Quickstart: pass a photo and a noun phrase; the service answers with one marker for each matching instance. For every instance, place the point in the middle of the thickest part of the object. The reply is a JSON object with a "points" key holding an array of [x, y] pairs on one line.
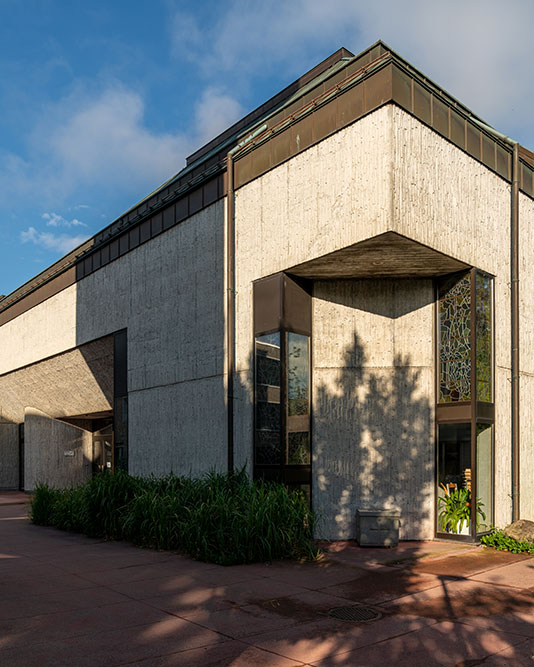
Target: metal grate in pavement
{"points": [[355, 614]]}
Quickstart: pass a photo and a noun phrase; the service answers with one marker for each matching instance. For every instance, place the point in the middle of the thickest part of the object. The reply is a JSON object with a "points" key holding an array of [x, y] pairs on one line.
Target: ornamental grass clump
{"points": [[235, 520], [43, 500], [221, 518], [107, 499]]}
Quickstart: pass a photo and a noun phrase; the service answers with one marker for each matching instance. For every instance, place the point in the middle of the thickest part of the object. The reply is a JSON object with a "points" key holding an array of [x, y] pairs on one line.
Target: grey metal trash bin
{"points": [[377, 528]]}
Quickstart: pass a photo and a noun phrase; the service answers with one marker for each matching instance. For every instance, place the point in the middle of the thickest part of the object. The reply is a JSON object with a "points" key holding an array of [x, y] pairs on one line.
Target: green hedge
{"points": [[221, 518]]}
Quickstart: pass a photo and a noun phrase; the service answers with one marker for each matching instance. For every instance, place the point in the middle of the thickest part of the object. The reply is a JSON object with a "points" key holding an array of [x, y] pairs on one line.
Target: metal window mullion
{"points": [[473, 342], [283, 400]]}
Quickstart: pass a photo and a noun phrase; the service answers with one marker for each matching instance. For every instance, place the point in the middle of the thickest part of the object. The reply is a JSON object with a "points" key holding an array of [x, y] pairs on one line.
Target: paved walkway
{"points": [[70, 600]]}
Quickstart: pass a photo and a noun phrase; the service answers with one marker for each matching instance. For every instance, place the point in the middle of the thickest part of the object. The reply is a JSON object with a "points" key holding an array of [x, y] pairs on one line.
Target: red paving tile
{"points": [[324, 637], [519, 574], [26, 605], [313, 575], [71, 600], [350, 551], [383, 584], [76, 623], [303, 607], [232, 653], [14, 498], [456, 599], [462, 565], [517, 622], [448, 644], [240, 622], [215, 598], [170, 635], [521, 655]]}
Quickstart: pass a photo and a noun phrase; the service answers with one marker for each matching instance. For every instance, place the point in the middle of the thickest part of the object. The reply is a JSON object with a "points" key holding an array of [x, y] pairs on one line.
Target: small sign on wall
{"points": [[68, 452]]}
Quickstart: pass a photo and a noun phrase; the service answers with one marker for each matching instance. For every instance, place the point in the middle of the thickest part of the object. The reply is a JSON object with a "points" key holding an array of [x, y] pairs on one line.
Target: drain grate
{"points": [[355, 614]]}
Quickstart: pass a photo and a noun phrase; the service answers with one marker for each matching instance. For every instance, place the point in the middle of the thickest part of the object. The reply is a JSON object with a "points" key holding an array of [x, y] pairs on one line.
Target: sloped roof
{"points": [[326, 82]]}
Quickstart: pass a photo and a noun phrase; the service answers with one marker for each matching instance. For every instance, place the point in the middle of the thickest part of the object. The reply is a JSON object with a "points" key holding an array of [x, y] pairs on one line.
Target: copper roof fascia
{"points": [[66, 262], [241, 125], [365, 71], [308, 108]]}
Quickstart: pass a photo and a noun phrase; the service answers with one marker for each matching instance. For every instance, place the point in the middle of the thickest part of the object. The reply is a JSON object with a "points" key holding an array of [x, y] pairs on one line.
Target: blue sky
{"points": [[100, 102]]}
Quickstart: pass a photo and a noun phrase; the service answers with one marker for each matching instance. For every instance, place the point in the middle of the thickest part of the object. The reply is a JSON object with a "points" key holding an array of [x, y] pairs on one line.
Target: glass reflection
{"points": [[454, 478], [268, 446], [484, 477]]}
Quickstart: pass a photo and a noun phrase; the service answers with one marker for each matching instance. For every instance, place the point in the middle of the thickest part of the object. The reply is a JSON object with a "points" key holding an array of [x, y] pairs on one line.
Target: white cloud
{"points": [[214, 112], [48, 241], [105, 141], [100, 140], [55, 220], [480, 51]]}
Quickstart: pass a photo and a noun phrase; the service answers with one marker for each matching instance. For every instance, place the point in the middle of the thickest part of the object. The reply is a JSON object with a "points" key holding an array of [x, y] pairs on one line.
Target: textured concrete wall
{"points": [[446, 199], [526, 354], [72, 383], [9, 455], [385, 172], [41, 332], [169, 294], [46, 441], [373, 436], [332, 195]]}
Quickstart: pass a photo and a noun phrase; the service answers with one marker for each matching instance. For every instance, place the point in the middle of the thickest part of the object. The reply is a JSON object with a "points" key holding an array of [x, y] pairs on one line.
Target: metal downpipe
{"points": [[514, 262], [230, 307]]}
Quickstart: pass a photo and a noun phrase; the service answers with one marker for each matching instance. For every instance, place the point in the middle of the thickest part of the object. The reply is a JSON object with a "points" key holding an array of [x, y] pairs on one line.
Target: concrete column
{"points": [[9, 455]]}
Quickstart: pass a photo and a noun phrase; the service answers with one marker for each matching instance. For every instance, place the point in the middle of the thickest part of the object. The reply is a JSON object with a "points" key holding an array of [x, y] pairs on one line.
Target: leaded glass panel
{"points": [[298, 448], [298, 374], [455, 343], [483, 337]]}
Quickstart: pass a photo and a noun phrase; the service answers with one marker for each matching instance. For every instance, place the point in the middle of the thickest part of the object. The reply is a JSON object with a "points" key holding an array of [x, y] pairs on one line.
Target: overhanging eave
{"points": [[388, 255]]}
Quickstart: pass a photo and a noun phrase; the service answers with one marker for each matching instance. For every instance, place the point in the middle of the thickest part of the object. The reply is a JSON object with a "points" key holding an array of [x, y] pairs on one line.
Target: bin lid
{"points": [[394, 513]]}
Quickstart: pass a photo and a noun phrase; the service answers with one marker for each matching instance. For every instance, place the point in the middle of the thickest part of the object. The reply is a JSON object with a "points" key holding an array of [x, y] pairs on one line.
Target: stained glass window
{"points": [[455, 342], [483, 337], [298, 448], [297, 374]]}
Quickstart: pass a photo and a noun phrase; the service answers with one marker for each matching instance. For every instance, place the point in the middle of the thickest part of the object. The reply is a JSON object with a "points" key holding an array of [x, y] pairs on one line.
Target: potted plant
{"points": [[455, 511]]}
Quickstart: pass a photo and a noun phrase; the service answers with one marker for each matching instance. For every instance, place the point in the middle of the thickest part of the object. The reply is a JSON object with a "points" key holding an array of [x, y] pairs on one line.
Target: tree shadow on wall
{"points": [[372, 444]]}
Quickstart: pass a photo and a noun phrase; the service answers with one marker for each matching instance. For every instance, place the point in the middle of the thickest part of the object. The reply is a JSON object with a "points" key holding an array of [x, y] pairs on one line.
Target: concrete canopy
{"points": [[76, 382], [388, 255]]}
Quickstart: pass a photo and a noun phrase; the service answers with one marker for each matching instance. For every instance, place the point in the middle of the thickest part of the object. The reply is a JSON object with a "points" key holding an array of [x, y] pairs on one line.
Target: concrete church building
{"points": [[335, 292]]}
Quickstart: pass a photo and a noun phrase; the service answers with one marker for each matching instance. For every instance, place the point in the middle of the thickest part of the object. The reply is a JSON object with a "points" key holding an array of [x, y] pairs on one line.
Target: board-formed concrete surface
{"points": [[72, 600]]}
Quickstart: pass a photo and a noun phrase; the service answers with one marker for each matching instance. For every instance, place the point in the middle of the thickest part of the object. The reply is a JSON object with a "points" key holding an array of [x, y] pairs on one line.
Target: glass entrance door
{"points": [[103, 450]]}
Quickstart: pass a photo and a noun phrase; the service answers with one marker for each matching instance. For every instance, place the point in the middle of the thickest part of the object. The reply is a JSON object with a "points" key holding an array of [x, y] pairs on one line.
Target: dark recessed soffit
{"points": [[388, 255]]}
